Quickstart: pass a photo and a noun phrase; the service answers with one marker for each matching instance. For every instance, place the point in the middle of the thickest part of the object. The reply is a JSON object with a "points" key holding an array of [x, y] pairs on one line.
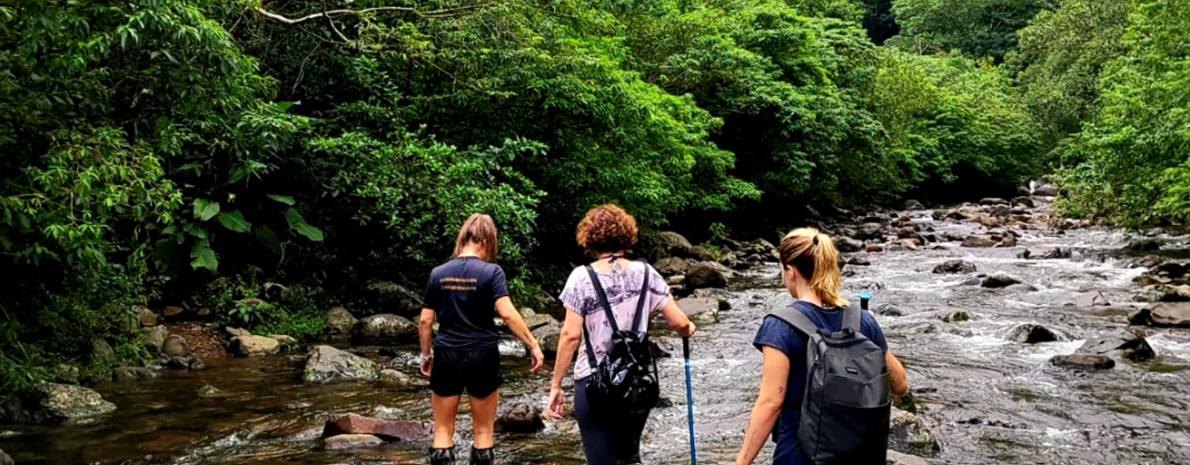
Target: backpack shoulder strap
{"points": [[603, 302], [852, 317], [797, 319], [640, 302]]}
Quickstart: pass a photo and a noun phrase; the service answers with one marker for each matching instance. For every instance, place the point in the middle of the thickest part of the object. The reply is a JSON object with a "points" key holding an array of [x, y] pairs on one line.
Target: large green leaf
{"points": [[285, 199], [203, 256], [298, 223], [234, 221], [205, 209], [269, 238]]}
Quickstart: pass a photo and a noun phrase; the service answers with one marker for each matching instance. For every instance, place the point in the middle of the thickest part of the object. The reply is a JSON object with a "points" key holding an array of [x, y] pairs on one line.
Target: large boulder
{"points": [[1164, 293], [253, 346], [1083, 362], [848, 245], [175, 346], [351, 441], [707, 274], [48, 403], [520, 418], [908, 433], [1164, 314], [144, 316], [870, 232], [700, 310], [392, 430], [101, 350], [1130, 345], [988, 201], [327, 364], [955, 267], [397, 297], [547, 337], [385, 329], [671, 266], [155, 338], [979, 241], [675, 245], [1032, 334], [339, 321]]}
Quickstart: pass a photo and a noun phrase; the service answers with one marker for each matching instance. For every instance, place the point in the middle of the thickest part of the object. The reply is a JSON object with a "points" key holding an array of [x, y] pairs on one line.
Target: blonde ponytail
{"points": [[813, 254]]}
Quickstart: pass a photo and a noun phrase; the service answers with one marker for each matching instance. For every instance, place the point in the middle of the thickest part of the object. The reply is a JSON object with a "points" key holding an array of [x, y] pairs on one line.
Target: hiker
{"points": [[611, 417], [460, 296], [851, 415]]}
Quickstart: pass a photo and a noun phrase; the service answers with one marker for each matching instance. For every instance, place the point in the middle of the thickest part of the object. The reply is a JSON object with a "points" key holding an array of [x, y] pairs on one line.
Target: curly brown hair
{"points": [[607, 228]]}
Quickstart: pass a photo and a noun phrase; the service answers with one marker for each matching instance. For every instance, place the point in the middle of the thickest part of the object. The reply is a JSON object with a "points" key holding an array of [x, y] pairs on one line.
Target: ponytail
{"points": [[813, 254]]}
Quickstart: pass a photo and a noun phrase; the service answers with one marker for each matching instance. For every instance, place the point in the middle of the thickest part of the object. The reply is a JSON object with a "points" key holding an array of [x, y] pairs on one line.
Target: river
{"points": [[988, 401]]}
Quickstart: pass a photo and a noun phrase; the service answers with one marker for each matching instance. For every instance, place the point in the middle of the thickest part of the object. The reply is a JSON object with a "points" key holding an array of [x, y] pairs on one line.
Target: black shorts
{"points": [[476, 371]]}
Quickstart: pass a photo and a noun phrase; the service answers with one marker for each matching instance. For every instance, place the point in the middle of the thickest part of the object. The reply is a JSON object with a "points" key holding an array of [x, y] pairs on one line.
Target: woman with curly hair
{"points": [[607, 233]]}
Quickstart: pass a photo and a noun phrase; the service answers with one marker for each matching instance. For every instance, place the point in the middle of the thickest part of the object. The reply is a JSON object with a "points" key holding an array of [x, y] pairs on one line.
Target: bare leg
{"points": [[483, 418], [445, 411]]}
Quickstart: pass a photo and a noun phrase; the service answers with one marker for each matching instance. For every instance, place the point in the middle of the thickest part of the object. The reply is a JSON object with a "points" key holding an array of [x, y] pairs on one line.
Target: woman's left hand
{"points": [[538, 359], [556, 403]]}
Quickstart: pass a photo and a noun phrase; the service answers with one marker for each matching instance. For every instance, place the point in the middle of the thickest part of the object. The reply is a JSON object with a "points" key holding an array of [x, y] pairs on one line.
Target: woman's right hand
{"points": [[688, 330], [555, 404]]}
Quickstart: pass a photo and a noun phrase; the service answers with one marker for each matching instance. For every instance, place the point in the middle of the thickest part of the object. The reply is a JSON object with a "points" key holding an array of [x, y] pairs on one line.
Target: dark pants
{"points": [[607, 439]]}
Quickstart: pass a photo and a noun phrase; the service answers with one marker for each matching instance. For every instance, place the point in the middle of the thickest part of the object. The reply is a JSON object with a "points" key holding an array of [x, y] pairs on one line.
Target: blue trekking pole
{"points": [[689, 400], [863, 300]]}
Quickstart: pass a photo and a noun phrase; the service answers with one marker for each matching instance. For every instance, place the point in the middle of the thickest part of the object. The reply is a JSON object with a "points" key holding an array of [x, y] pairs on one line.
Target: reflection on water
{"points": [[988, 400]]}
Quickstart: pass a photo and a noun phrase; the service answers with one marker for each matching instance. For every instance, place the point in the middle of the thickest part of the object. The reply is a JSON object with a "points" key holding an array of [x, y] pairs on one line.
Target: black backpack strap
{"points": [[603, 302], [640, 303], [797, 319], [851, 317]]}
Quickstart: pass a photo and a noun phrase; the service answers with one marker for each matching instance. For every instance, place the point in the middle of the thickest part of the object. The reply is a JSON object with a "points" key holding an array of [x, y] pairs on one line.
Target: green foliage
{"points": [[979, 28], [1134, 157]]}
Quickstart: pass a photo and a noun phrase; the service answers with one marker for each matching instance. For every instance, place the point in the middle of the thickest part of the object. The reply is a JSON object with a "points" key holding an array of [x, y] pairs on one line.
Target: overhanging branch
{"points": [[331, 14]]}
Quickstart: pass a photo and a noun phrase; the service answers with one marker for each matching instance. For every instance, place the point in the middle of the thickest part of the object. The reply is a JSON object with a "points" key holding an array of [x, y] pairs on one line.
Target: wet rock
{"points": [[913, 205], [858, 261], [897, 458], [952, 214], [254, 346], [658, 351], [907, 432], [1047, 254], [285, 341], [237, 332], [671, 266], [351, 441], [1148, 261], [848, 245], [955, 267], [1164, 293], [547, 337], [155, 338], [874, 248], [707, 274], [1128, 345], [702, 253], [674, 244], [956, 317], [209, 392], [65, 373], [339, 321], [987, 201], [978, 240], [126, 374], [397, 297], [1021, 288], [520, 418], [186, 363], [327, 364], [700, 310], [1143, 245], [1163, 314], [175, 346], [1083, 362], [870, 232], [998, 281], [384, 329], [890, 310], [393, 376], [392, 430], [1045, 190], [50, 403], [919, 328], [145, 316], [101, 350], [1008, 240], [1023, 201], [1032, 334]]}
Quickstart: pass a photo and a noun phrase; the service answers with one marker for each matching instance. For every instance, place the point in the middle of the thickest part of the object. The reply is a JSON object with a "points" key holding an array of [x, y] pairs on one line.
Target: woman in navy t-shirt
{"points": [[810, 269]]}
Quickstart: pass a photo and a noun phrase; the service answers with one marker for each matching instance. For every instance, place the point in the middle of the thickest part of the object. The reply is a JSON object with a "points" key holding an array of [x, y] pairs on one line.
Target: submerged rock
{"points": [[1163, 314], [907, 432], [1143, 245], [1032, 334], [1046, 254], [393, 376], [385, 328], [186, 363], [520, 418], [339, 321], [328, 364], [956, 317], [351, 441], [1084, 361], [998, 281], [49, 402], [979, 241], [955, 267], [1128, 345], [125, 374], [1090, 299], [392, 430]]}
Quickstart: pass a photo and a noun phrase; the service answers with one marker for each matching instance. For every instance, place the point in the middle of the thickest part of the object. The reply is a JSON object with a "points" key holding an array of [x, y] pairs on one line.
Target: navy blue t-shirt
{"points": [[463, 293], [776, 333]]}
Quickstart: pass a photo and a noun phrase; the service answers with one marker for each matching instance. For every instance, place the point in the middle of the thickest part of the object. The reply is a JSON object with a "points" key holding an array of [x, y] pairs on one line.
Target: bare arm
{"points": [[517, 325], [425, 329], [572, 331], [898, 379], [773, 384], [677, 319]]}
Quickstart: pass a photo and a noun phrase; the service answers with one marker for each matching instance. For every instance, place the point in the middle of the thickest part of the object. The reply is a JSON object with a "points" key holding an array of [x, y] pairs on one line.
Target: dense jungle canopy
{"points": [[162, 148]]}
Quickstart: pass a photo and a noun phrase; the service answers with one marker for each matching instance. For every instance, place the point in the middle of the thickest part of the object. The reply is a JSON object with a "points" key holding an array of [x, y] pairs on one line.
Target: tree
{"points": [[979, 28]]}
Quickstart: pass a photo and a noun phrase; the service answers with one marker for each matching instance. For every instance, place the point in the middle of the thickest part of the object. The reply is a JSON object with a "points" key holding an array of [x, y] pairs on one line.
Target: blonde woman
{"points": [[810, 269]]}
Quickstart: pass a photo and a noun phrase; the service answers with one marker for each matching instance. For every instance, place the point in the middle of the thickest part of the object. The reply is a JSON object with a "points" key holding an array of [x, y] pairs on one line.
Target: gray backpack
{"points": [[845, 411]]}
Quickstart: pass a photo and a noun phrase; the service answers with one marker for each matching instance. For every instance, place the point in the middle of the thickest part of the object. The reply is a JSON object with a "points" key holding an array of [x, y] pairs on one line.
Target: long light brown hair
{"points": [[814, 256], [479, 230]]}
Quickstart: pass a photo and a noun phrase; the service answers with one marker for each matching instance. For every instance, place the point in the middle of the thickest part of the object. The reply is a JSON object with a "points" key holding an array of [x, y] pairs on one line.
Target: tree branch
{"points": [[444, 12]]}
